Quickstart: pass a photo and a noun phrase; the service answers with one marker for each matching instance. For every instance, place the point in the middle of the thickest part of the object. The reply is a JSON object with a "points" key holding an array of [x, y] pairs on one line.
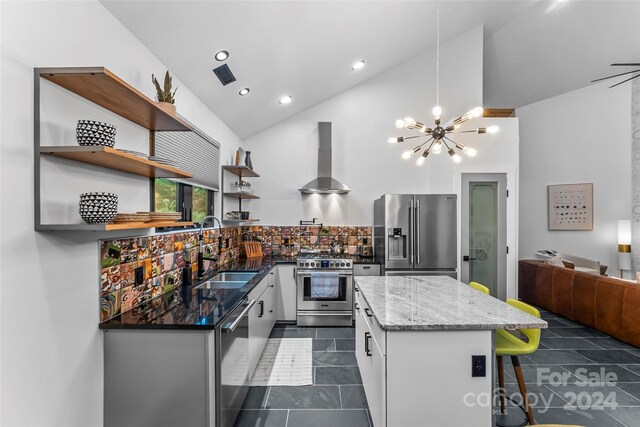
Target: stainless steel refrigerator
{"points": [[416, 234]]}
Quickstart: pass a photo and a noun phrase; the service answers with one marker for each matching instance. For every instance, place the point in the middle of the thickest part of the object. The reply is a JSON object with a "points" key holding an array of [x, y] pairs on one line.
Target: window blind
{"points": [[194, 152]]}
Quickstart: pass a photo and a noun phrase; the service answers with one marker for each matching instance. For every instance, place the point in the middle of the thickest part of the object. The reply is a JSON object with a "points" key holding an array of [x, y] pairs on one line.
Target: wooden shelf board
{"points": [[115, 159], [498, 112], [243, 196], [241, 171], [112, 227], [239, 221], [102, 87]]}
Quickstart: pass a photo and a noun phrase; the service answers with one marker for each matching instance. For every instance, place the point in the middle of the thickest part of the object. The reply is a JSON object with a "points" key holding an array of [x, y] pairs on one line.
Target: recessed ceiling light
{"points": [[244, 91], [358, 65], [285, 99], [222, 55]]}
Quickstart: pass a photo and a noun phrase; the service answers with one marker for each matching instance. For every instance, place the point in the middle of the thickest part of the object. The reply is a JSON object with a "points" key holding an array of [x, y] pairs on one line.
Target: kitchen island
{"points": [[424, 346]]}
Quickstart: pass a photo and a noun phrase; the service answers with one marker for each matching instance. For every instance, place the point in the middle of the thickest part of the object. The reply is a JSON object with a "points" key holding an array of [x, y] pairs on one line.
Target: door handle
{"points": [[367, 350], [261, 309], [411, 219], [468, 258], [232, 327], [294, 272], [417, 236], [357, 306], [367, 311]]}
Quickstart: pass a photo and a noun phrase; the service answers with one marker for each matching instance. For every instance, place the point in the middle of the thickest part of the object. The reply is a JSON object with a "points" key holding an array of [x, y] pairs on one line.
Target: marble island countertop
{"points": [[432, 303]]}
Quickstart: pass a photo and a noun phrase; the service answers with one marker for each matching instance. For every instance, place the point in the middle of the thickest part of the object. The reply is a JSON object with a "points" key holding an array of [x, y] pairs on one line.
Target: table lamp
{"points": [[624, 245]]}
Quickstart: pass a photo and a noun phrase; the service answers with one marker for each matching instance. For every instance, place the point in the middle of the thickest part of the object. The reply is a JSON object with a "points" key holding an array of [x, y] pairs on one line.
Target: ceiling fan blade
{"points": [[624, 81], [625, 64], [615, 75]]}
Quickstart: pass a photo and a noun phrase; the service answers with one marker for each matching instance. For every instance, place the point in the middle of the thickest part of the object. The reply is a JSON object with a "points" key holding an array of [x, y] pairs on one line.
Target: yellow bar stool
{"points": [[508, 344], [478, 287]]}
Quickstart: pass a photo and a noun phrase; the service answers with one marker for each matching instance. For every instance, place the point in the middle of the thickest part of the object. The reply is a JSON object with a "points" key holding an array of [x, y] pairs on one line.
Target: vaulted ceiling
{"points": [[533, 49]]}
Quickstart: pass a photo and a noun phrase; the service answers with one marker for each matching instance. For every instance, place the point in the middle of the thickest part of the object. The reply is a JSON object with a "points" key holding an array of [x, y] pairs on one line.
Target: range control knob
{"points": [[342, 264], [348, 264]]}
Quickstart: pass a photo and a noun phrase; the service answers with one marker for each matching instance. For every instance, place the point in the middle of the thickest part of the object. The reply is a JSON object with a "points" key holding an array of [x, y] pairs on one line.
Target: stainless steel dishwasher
{"points": [[232, 364]]}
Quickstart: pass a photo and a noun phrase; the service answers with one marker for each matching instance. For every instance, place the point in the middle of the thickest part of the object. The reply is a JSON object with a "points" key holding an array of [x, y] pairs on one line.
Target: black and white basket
{"points": [[91, 132], [98, 208]]}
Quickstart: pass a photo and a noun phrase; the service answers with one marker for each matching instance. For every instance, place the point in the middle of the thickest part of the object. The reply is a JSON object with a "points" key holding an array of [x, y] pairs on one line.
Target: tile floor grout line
{"points": [[266, 400], [340, 394], [612, 416], [286, 423]]}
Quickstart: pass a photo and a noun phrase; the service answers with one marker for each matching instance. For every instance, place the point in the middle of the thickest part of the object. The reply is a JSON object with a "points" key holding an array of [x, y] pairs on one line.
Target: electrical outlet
{"points": [[478, 366]]}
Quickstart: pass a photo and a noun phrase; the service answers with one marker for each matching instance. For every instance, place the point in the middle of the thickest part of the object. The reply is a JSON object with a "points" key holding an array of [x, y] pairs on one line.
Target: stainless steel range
{"points": [[325, 290]]}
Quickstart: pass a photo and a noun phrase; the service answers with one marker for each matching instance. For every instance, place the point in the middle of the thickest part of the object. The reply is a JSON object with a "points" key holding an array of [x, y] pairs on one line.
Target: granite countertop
{"points": [[190, 308], [433, 303]]}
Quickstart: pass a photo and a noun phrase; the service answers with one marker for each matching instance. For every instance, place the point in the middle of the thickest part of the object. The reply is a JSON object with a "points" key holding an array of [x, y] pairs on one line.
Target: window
{"points": [[166, 195], [170, 196]]}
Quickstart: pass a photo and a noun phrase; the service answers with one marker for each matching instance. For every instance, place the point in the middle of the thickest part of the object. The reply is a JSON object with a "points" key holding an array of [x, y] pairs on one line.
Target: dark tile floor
{"points": [[336, 397], [566, 378]]}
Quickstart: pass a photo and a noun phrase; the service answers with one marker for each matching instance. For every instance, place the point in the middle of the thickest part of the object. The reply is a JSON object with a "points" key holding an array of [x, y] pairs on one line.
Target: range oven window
{"points": [[342, 290]]}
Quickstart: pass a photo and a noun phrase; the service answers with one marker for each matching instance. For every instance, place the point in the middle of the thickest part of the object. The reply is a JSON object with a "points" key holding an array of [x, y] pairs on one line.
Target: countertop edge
{"points": [[461, 327]]}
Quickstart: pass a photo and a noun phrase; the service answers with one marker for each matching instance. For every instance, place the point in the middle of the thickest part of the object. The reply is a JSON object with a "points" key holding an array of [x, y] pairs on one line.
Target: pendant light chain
{"points": [[437, 52]]}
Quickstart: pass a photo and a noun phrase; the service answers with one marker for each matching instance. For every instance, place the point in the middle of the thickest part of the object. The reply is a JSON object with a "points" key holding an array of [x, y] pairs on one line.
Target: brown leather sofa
{"points": [[611, 306]]}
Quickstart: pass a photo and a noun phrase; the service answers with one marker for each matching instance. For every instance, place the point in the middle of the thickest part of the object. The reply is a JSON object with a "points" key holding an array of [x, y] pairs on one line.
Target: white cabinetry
{"points": [[407, 374], [371, 361], [286, 292], [262, 317], [366, 269]]}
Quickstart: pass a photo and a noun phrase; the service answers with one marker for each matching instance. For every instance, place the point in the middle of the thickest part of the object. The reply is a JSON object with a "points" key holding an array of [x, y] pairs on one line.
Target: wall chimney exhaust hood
{"points": [[324, 183]]}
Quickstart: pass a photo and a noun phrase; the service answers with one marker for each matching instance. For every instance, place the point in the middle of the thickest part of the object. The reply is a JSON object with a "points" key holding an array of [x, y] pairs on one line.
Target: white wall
{"points": [[51, 354], [363, 118], [581, 136]]}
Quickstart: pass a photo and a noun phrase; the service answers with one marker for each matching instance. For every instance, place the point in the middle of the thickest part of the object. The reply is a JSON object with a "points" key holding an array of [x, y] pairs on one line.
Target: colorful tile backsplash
{"points": [[136, 270]]}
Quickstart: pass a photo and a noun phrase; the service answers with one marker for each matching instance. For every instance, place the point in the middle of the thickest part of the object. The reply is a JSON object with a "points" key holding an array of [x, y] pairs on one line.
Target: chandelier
{"points": [[439, 137]]}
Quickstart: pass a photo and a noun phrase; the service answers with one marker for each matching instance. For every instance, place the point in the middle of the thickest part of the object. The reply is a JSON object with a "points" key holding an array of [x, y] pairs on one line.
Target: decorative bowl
{"points": [[91, 132], [98, 208]]}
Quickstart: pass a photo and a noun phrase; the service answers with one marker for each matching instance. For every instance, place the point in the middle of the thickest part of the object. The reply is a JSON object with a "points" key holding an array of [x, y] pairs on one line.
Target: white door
{"points": [[484, 231]]}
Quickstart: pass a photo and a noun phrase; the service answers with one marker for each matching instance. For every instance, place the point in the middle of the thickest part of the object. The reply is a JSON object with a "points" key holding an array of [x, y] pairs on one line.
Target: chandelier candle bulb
{"points": [[470, 152], [394, 140], [409, 121], [407, 154], [420, 161], [437, 147], [437, 112], [400, 123], [493, 129]]}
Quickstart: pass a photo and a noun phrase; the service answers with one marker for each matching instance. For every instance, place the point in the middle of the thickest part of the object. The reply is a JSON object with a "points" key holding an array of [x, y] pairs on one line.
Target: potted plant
{"points": [[164, 96]]}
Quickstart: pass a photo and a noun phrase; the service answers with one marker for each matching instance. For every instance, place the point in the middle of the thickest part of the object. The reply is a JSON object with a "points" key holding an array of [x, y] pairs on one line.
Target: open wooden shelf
{"points": [[112, 227], [241, 171], [101, 86], [239, 221], [498, 112], [241, 196], [115, 159]]}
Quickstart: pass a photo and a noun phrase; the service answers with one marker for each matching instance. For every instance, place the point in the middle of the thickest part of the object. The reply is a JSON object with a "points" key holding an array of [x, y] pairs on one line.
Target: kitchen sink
{"points": [[221, 284], [233, 276]]}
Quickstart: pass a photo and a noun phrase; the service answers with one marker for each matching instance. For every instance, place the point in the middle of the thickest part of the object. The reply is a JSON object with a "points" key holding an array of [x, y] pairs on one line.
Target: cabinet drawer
{"points": [[366, 269], [379, 335], [261, 286]]}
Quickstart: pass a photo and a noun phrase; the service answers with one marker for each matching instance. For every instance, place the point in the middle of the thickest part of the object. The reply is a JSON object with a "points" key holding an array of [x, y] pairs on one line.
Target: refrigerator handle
{"points": [[411, 219], [417, 236]]}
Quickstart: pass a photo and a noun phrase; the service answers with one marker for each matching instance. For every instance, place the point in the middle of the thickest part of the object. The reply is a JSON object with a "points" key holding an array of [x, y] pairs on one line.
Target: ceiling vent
{"points": [[225, 75]]}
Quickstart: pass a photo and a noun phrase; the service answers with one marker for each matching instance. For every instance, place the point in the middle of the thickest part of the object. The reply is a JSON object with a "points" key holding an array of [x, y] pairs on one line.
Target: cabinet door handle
{"points": [[294, 272], [271, 286], [366, 267], [368, 312], [261, 309], [357, 306], [357, 289], [367, 350]]}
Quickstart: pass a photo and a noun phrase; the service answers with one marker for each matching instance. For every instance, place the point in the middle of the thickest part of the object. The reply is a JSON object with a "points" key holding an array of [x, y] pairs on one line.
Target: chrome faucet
{"points": [[201, 257]]}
